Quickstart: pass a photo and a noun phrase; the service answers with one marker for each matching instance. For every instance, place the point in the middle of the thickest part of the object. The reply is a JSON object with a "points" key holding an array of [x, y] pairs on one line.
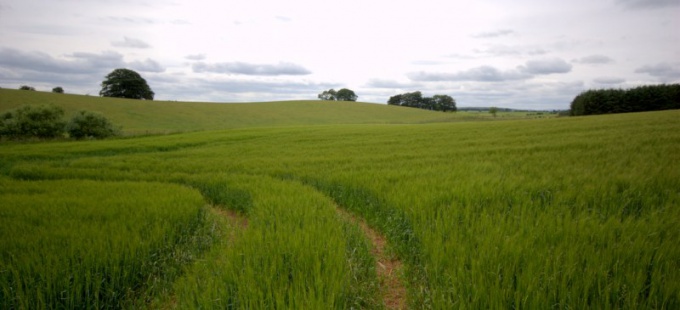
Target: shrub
{"points": [[86, 124], [42, 122], [26, 87], [58, 90]]}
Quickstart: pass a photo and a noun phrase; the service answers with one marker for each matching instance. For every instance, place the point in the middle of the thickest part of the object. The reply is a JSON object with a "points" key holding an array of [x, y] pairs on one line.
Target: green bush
{"points": [[42, 122], [86, 124]]}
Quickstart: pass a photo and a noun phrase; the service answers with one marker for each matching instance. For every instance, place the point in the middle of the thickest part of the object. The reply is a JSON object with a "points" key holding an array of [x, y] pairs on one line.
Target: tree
{"points": [[85, 124], [26, 87], [416, 100], [493, 111], [58, 90], [328, 94], [346, 95], [42, 122], [444, 103], [125, 83]]}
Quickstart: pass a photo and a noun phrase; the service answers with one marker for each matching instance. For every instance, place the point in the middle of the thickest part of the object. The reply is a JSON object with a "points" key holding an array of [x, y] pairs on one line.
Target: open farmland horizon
{"points": [[140, 117], [574, 212]]}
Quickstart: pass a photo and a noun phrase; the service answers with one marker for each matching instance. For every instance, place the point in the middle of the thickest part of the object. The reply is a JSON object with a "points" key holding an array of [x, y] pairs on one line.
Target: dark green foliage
{"points": [[85, 124], [639, 99], [416, 100], [42, 122], [125, 83], [328, 94], [26, 87], [346, 95], [58, 90], [340, 95], [493, 111]]}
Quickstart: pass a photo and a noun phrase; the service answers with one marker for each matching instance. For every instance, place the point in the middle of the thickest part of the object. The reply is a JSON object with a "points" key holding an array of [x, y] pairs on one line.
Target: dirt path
{"points": [[388, 266]]}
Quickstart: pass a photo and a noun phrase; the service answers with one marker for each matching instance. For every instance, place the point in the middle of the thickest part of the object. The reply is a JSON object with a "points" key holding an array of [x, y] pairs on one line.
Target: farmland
{"points": [[575, 212]]}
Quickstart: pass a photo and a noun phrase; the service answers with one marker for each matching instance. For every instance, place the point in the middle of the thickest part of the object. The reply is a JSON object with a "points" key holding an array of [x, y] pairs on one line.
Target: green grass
{"points": [[84, 244], [152, 117], [545, 213]]}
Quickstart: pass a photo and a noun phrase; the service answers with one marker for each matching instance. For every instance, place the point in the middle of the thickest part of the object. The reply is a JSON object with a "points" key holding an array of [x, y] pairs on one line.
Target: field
{"points": [[246, 212]]}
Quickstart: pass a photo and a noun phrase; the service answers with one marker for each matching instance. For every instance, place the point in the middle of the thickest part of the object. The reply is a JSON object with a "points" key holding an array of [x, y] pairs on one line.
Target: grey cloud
{"points": [[234, 90], [282, 68], [493, 34], [664, 71], [130, 42], [609, 80], [77, 62], [546, 66], [147, 65], [380, 83], [647, 4], [594, 59], [479, 74], [492, 74], [195, 57]]}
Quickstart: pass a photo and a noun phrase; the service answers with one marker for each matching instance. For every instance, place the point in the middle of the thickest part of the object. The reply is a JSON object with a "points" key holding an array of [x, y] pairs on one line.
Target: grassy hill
{"points": [[169, 116], [140, 117]]}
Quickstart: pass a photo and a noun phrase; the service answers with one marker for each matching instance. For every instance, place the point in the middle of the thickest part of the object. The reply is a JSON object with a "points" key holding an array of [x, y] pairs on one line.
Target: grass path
{"points": [[388, 266]]}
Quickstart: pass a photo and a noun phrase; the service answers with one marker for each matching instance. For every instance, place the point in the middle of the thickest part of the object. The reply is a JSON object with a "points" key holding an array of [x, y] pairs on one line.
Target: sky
{"points": [[528, 54]]}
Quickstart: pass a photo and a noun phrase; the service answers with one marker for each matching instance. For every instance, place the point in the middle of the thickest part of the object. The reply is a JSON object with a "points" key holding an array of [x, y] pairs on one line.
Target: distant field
{"points": [[579, 212], [140, 117]]}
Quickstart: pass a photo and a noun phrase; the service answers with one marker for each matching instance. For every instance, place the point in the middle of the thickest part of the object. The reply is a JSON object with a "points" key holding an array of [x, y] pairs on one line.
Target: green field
{"points": [[575, 213]]}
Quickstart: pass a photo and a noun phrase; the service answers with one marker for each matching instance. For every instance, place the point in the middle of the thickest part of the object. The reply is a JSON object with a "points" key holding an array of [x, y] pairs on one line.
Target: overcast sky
{"points": [[534, 54]]}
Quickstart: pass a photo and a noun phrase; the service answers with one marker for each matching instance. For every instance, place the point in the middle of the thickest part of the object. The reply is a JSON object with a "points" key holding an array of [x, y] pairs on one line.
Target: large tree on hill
{"points": [[346, 95], [125, 83]]}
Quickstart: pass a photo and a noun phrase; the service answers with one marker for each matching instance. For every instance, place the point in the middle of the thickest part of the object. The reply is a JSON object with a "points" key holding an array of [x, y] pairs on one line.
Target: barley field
{"points": [[565, 213]]}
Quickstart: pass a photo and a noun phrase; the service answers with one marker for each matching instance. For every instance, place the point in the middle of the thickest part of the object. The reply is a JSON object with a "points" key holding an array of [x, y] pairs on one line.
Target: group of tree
{"points": [[639, 99], [340, 95], [416, 100], [46, 122]]}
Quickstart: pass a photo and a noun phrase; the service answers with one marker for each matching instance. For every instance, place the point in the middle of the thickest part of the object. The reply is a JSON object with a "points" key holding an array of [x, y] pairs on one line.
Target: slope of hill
{"points": [[138, 117]]}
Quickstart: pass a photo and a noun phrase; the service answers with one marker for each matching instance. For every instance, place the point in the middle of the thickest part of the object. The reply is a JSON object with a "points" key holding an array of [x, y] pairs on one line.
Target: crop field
{"points": [[565, 213]]}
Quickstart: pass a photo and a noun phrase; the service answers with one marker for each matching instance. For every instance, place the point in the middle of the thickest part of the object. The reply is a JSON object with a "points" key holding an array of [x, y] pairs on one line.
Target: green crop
{"points": [[550, 213]]}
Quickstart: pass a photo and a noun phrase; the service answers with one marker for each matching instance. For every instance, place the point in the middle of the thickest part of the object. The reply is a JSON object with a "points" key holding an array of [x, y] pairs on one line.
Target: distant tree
{"points": [[42, 122], [26, 87], [328, 94], [642, 98], [346, 95], [416, 100], [444, 103], [58, 90], [85, 124], [125, 83], [493, 111]]}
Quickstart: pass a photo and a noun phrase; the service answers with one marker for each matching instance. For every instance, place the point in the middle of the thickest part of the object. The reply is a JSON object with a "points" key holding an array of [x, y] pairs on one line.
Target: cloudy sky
{"points": [[535, 54]]}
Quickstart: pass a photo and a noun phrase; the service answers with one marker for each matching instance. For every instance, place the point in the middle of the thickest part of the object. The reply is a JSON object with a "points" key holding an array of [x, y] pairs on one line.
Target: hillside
{"points": [[138, 117]]}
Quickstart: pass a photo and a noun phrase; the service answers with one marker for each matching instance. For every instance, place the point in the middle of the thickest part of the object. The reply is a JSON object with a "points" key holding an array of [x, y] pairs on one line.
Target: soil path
{"points": [[388, 266]]}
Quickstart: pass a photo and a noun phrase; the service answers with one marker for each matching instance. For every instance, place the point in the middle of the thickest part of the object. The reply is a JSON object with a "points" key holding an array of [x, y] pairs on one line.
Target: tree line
{"points": [[416, 100], [639, 99]]}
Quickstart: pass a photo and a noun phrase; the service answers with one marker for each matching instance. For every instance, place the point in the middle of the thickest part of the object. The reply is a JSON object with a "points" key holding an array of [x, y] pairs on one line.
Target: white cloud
{"points": [[282, 68], [131, 43]]}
